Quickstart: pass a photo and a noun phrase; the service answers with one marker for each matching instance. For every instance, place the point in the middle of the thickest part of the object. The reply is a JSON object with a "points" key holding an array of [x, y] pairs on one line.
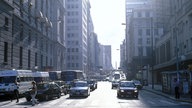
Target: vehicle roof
{"points": [[126, 81]]}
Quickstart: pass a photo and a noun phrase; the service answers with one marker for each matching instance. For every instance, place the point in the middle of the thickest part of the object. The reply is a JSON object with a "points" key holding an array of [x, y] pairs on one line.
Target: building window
{"points": [[68, 64], [29, 59], [77, 50], [140, 41], [156, 31], [140, 32], [148, 32], [6, 24], [21, 32], [140, 51], [41, 61], [35, 59], [21, 57], [77, 64], [5, 52], [68, 49], [147, 14], [46, 61], [36, 40], [29, 38], [191, 43], [148, 41], [139, 14]]}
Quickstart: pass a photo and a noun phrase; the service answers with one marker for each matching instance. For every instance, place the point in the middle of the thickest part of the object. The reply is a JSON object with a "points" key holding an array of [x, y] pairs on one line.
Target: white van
{"points": [[9, 79]]}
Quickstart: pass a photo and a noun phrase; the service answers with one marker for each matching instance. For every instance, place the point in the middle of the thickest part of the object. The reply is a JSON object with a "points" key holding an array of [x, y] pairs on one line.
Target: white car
{"points": [[79, 88]]}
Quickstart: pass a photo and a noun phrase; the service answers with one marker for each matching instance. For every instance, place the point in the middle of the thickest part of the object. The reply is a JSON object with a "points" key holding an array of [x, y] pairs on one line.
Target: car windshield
{"points": [[127, 84], [7, 79], [80, 84], [42, 86], [137, 82]]}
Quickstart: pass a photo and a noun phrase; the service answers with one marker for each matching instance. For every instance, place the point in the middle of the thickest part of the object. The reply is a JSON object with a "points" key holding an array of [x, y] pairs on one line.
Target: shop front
{"points": [[169, 79]]}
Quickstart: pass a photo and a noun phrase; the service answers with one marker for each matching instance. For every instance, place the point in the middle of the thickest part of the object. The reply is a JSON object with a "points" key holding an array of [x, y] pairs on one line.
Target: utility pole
{"points": [[152, 53]]}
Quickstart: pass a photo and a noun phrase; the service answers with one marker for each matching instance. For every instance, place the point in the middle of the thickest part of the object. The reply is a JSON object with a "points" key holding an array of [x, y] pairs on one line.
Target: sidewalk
{"points": [[158, 90]]}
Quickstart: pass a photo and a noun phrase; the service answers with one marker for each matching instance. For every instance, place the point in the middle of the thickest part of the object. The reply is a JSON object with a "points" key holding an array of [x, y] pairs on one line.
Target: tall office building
{"points": [[141, 33], [76, 34]]}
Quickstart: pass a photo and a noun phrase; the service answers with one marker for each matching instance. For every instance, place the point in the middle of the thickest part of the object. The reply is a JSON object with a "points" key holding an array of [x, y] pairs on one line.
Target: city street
{"points": [[104, 97]]}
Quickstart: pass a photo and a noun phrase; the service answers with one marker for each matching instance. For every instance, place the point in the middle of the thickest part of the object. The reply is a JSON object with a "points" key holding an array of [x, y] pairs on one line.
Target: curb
{"points": [[168, 96]]}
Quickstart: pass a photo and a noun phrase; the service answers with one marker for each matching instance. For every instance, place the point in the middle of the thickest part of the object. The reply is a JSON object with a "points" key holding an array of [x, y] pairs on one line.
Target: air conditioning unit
{"points": [[43, 20], [49, 24], [39, 15]]}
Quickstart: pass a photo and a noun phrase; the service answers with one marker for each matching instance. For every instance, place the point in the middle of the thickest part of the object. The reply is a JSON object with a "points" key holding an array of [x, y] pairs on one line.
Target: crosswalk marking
{"points": [[9, 103], [65, 103]]}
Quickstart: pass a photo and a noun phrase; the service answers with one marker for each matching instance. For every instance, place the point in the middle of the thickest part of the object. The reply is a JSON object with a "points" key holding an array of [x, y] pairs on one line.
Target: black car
{"points": [[92, 84], [63, 86], [115, 83], [138, 84], [127, 89], [45, 91]]}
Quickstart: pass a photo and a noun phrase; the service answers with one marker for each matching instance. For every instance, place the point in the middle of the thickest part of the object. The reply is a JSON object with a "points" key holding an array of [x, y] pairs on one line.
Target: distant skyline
{"points": [[107, 16]]}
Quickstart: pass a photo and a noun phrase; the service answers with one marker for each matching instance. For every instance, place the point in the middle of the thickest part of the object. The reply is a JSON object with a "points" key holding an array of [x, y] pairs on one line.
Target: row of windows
{"points": [[141, 51], [143, 14], [72, 57], [5, 58], [140, 41], [72, 42], [147, 32], [72, 20], [72, 65], [72, 50], [72, 28], [43, 46], [72, 6], [72, 35], [73, 13]]}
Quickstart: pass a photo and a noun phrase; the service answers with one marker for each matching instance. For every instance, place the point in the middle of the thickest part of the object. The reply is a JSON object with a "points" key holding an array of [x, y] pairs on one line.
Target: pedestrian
{"points": [[177, 90], [15, 93], [34, 93]]}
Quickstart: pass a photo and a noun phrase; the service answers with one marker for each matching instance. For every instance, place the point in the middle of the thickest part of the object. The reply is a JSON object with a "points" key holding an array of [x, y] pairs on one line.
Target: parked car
{"points": [[79, 88], [138, 84], [63, 86], [115, 83], [93, 84], [45, 91], [127, 89]]}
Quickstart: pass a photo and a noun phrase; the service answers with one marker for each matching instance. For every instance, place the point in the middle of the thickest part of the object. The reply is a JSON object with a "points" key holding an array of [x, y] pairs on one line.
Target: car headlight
{"points": [[122, 90], [135, 91]]}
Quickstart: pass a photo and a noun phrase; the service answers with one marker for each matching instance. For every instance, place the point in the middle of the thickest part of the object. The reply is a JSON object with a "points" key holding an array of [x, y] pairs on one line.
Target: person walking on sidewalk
{"points": [[15, 93], [177, 90], [34, 93]]}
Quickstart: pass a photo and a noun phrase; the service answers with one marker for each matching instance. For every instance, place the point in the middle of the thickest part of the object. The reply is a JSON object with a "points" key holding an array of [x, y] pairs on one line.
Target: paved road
{"points": [[104, 97]]}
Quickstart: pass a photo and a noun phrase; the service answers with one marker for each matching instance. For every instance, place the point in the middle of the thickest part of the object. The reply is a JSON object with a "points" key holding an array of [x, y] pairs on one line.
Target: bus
{"points": [[55, 75], [15, 80], [70, 75], [41, 76]]}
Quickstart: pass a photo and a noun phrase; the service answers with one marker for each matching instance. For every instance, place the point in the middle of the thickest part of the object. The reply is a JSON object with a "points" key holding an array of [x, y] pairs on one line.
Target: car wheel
{"points": [[118, 95], [136, 96], [46, 97], [59, 95]]}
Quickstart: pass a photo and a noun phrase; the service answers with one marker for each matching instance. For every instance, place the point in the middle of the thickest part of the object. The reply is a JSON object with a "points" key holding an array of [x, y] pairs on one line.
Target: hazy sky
{"points": [[108, 15]]}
